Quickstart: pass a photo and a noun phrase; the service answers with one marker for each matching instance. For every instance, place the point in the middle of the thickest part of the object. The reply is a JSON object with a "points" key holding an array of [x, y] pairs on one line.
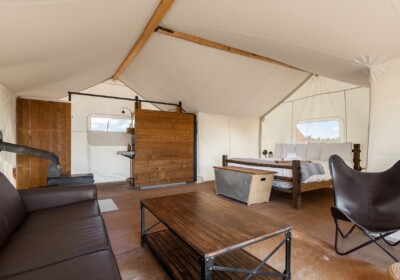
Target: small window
{"points": [[318, 132], [106, 123]]}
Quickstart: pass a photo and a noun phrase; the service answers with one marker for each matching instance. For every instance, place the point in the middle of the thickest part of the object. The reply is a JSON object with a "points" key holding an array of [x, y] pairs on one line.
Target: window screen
{"points": [[108, 123], [318, 132]]}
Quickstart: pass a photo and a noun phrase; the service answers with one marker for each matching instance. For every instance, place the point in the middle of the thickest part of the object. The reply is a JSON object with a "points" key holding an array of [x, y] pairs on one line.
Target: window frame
{"points": [[342, 130], [95, 115]]}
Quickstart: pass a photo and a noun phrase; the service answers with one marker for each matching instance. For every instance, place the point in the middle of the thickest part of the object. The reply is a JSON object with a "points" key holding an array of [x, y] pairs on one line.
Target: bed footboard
{"points": [[295, 166], [296, 181]]}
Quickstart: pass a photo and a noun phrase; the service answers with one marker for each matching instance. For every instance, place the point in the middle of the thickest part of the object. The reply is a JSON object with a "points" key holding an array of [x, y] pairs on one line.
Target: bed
{"points": [[294, 176]]}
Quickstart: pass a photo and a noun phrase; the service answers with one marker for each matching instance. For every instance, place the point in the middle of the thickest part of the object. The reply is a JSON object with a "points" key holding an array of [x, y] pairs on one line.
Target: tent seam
{"points": [[177, 69], [256, 90]]}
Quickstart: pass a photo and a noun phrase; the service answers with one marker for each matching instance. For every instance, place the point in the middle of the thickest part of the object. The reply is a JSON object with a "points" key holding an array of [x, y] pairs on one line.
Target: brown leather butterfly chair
{"points": [[370, 201]]}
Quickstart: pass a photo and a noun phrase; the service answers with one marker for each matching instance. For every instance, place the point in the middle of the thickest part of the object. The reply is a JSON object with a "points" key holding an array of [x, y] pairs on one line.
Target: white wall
{"points": [[384, 149], [277, 127], [357, 120], [102, 161], [224, 135], [8, 127]]}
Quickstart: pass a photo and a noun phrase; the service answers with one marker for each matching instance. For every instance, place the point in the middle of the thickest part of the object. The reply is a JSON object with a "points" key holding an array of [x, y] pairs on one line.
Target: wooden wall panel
{"points": [[43, 125], [164, 147]]}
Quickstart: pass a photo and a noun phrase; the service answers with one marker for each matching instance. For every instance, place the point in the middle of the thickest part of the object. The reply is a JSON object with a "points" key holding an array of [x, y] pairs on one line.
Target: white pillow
{"points": [[313, 150], [278, 150], [344, 150], [293, 156], [301, 150], [288, 149]]}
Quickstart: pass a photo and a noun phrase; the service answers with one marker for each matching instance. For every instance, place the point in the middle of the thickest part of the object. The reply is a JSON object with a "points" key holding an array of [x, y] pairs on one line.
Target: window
{"points": [[106, 123], [318, 132], [108, 130]]}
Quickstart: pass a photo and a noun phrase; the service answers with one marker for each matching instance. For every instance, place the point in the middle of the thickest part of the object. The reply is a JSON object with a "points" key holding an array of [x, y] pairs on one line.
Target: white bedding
{"points": [[287, 172]]}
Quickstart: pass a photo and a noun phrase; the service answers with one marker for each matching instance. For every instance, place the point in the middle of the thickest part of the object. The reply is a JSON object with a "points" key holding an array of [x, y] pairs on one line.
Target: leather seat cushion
{"points": [[50, 217], [100, 266], [31, 250], [12, 209]]}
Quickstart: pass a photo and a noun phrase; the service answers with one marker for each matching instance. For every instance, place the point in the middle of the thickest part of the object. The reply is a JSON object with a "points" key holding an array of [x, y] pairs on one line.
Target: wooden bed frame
{"points": [[294, 165]]}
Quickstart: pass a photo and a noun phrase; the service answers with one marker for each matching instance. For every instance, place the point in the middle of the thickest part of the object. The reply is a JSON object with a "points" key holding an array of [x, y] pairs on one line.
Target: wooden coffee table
{"points": [[205, 237]]}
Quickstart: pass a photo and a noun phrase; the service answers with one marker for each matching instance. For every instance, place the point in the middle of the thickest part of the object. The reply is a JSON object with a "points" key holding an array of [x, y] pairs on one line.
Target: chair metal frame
{"points": [[372, 238], [339, 215]]}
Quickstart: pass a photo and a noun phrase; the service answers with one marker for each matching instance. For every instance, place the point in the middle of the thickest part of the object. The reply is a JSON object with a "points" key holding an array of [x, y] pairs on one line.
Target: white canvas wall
{"points": [[102, 161], [384, 133], [224, 135], [7, 126], [321, 99], [277, 127], [357, 120]]}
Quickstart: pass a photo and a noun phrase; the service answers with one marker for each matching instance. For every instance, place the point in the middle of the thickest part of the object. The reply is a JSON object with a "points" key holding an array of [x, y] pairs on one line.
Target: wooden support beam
{"points": [[155, 20], [222, 47]]}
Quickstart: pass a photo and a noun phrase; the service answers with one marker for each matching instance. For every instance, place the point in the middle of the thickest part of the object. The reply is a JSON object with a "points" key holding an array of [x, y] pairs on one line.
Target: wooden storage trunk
{"points": [[244, 184]]}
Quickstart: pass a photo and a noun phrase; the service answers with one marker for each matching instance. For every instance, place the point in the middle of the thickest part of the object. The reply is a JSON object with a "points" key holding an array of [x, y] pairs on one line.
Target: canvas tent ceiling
{"points": [[50, 47], [325, 37], [208, 80]]}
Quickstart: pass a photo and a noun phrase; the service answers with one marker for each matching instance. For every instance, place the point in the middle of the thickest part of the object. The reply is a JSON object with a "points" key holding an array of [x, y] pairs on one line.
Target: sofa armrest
{"points": [[46, 197]]}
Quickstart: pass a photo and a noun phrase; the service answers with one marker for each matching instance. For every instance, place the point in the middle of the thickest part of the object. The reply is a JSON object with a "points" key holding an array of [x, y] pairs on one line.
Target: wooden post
{"points": [[356, 157], [179, 107], [296, 190], [138, 104], [224, 160]]}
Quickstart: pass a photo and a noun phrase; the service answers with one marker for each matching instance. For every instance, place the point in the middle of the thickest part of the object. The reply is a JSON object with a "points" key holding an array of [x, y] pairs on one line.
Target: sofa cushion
{"points": [[12, 209], [100, 266], [28, 251], [48, 197], [42, 219]]}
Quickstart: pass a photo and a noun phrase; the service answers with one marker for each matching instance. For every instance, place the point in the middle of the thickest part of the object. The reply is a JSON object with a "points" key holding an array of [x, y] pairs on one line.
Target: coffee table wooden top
{"points": [[212, 225]]}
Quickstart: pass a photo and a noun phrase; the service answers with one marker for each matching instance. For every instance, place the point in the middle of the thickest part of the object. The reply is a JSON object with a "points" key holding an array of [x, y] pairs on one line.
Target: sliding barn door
{"points": [[164, 148], [42, 125]]}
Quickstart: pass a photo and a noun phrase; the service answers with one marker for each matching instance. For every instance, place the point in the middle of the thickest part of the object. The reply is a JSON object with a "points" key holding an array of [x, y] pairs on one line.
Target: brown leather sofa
{"points": [[53, 233]]}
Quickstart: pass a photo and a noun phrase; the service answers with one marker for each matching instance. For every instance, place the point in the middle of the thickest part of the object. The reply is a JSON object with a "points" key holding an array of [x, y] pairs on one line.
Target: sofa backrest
{"points": [[12, 209]]}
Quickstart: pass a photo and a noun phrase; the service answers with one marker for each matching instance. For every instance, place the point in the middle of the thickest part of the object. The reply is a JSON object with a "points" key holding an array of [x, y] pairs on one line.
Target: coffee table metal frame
{"points": [[207, 261]]}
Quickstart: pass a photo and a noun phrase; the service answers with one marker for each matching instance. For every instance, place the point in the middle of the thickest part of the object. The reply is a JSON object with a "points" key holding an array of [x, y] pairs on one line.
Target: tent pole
{"points": [[158, 15], [215, 45], [124, 98]]}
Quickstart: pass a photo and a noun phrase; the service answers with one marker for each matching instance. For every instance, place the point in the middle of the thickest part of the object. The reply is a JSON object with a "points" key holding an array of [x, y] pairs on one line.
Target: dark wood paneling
{"points": [[164, 147], [24, 124], [43, 125]]}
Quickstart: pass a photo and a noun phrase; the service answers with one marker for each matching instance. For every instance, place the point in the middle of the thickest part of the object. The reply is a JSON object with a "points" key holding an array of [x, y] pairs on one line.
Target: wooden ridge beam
{"points": [[155, 20], [222, 47]]}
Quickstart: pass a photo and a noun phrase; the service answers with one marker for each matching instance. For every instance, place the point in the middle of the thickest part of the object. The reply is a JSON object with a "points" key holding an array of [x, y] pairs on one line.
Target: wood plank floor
{"points": [[313, 221]]}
